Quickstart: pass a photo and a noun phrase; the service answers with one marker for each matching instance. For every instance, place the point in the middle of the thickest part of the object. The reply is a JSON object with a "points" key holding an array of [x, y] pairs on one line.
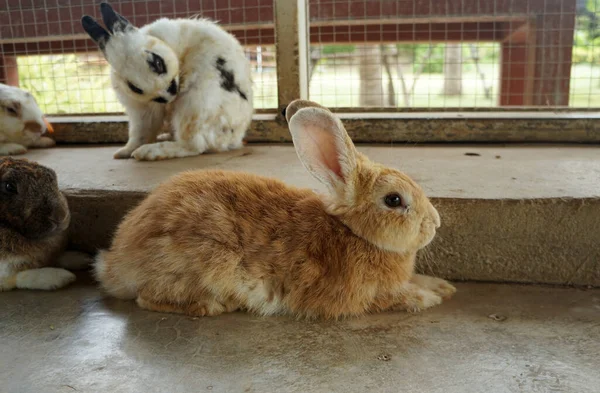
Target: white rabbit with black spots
{"points": [[188, 72], [22, 122]]}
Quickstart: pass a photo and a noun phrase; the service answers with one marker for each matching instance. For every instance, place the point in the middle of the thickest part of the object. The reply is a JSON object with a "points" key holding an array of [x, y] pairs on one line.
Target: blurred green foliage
{"points": [[586, 40], [68, 83]]}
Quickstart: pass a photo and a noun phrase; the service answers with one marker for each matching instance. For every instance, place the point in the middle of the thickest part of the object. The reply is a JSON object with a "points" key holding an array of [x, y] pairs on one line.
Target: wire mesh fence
{"points": [[363, 53], [44, 49], [462, 53], [406, 75]]}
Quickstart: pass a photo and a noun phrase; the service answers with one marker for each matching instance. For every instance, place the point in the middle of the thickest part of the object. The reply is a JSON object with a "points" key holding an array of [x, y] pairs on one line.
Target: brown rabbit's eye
{"points": [[393, 200], [12, 111], [8, 187]]}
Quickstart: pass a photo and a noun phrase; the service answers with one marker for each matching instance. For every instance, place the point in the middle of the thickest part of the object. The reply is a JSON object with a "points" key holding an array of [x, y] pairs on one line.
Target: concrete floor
{"points": [[73, 340], [512, 172]]}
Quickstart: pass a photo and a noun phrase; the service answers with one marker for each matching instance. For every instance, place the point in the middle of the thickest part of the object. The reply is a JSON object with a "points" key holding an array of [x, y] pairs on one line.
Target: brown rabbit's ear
{"points": [[323, 146], [296, 105]]}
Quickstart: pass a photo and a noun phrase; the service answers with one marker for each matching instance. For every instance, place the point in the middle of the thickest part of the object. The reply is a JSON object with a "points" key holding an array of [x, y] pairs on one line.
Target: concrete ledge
{"points": [[517, 214], [477, 127]]}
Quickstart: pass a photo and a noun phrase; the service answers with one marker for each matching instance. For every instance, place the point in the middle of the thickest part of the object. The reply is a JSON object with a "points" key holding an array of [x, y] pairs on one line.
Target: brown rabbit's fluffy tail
{"points": [[109, 281]]}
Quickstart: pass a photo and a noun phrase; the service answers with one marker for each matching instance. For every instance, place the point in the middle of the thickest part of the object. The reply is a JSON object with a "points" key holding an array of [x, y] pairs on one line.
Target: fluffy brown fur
{"points": [[34, 217], [230, 240]]}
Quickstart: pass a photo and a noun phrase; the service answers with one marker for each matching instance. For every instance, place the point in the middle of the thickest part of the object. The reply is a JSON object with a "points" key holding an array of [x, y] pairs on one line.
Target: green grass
{"points": [[68, 84], [340, 87], [585, 86]]}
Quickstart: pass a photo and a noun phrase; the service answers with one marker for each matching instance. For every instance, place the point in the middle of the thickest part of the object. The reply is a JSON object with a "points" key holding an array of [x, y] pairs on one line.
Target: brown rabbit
{"points": [[230, 241], [34, 217]]}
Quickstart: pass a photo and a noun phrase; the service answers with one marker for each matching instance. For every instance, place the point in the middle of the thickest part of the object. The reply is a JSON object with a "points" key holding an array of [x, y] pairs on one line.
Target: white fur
{"points": [[15, 134], [128, 285], [257, 298], [9, 266], [9, 149], [203, 115], [46, 278], [437, 285], [417, 299]]}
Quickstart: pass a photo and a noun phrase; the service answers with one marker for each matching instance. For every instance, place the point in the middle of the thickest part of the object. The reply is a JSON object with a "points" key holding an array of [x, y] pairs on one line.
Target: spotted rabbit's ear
{"points": [[95, 31], [115, 23]]}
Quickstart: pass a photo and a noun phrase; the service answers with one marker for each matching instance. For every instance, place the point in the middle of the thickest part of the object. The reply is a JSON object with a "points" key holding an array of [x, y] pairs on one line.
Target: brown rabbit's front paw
{"points": [[441, 287], [444, 289], [421, 300]]}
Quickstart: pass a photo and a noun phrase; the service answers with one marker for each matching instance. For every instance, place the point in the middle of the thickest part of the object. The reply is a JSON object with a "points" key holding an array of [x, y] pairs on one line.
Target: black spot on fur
{"points": [[241, 93], [157, 64], [134, 88], [115, 22], [172, 88], [95, 31], [228, 79]]}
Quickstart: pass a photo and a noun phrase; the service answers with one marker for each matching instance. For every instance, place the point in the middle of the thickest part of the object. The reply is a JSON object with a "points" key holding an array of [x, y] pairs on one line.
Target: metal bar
{"points": [[286, 49]]}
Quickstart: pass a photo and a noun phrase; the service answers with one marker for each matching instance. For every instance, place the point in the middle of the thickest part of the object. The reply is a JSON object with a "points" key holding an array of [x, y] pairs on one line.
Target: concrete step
{"points": [[527, 214]]}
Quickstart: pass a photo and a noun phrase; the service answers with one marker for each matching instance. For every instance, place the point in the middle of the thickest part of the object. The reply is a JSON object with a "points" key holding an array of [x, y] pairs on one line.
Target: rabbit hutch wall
{"points": [[526, 70]]}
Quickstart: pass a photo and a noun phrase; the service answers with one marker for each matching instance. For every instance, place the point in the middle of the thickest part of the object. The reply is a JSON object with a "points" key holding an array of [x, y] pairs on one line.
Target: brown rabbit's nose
{"points": [[53, 226], [62, 221], [59, 224], [35, 127]]}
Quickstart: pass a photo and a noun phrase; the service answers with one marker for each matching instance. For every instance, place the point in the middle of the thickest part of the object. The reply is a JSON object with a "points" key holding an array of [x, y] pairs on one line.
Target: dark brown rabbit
{"points": [[34, 217]]}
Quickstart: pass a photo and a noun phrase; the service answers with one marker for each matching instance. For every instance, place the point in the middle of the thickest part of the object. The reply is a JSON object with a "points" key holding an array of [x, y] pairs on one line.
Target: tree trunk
{"points": [[370, 71], [388, 51], [453, 70], [475, 57]]}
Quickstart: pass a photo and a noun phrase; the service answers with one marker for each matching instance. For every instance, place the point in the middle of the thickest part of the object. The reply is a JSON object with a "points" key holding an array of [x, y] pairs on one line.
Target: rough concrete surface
{"points": [[521, 172], [517, 214], [488, 338]]}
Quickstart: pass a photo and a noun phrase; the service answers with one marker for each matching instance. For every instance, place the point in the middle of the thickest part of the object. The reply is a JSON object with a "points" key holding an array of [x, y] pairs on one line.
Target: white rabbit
{"points": [[22, 122], [189, 72]]}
